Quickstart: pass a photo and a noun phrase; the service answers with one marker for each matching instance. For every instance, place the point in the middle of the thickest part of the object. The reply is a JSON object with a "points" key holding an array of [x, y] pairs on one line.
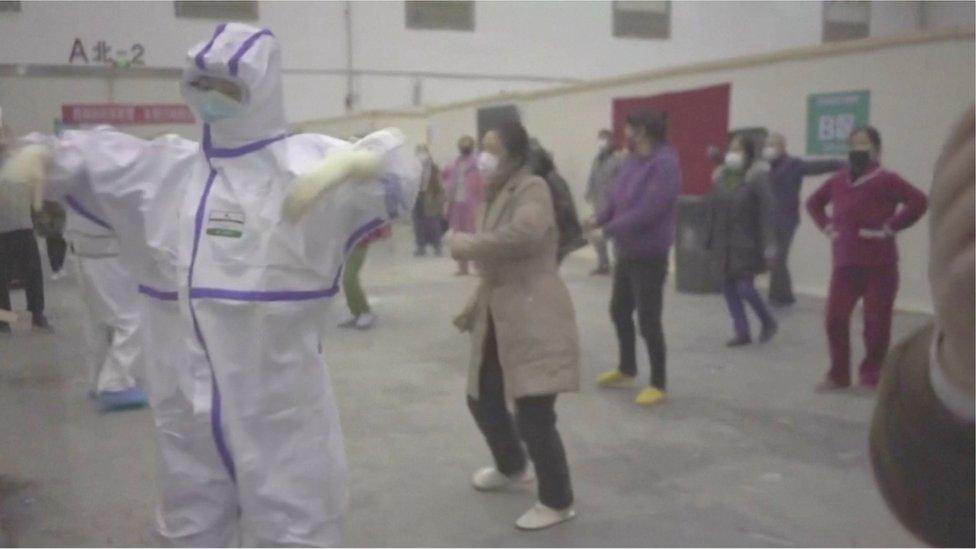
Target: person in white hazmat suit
{"points": [[238, 244], [113, 336], [112, 327]]}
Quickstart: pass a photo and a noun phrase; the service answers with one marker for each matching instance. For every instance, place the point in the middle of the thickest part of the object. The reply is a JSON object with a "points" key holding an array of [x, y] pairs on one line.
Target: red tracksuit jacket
{"points": [[871, 202]]}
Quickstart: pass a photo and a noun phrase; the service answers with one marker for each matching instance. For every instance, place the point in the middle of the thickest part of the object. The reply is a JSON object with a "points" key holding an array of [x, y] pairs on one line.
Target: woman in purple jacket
{"points": [[639, 217]]}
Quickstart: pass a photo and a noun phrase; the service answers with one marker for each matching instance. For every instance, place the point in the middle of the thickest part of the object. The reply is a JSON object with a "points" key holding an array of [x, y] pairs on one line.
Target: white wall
{"points": [[917, 91], [946, 14], [513, 43]]}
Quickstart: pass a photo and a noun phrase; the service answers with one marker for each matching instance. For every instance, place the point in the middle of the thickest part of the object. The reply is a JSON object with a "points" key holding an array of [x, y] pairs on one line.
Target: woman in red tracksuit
{"points": [[869, 205]]}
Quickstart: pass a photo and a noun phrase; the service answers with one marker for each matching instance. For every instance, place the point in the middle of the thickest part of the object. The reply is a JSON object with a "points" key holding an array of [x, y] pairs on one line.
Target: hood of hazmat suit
{"points": [[235, 292], [250, 59]]}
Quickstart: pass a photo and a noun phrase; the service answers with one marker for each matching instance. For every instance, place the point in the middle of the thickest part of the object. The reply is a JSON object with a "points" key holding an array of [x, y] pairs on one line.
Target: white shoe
{"points": [[365, 321], [58, 275], [487, 479], [348, 322], [541, 516]]}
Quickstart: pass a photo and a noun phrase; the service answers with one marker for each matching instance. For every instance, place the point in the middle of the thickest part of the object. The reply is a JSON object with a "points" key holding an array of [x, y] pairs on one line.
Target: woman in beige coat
{"points": [[525, 346]]}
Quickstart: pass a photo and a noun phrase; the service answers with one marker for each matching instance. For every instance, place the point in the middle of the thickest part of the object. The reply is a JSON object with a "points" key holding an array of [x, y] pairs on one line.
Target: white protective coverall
{"points": [[235, 295], [112, 328]]}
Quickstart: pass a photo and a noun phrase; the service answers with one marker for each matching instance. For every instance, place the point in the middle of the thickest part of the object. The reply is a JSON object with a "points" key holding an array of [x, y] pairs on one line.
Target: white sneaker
{"points": [[541, 516], [487, 479], [58, 275], [365, 321]]}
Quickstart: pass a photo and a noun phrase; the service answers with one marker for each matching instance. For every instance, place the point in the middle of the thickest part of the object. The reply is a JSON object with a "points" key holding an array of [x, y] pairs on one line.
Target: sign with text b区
{"points": [[832, 116]]}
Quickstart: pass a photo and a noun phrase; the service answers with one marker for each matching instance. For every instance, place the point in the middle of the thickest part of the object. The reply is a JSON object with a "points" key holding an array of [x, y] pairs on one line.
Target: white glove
{"points": [[28, 166], [337, 168]]}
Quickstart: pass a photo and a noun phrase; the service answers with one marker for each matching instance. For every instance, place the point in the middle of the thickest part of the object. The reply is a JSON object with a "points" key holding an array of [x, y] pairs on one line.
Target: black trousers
{"points": [[534, 423], [56, 250], [780, 282], [639, 284], [19, 253]]}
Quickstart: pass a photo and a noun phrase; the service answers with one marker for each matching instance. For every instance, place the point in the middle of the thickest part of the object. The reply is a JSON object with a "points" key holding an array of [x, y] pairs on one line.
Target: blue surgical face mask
{"points": [[213, 106]]}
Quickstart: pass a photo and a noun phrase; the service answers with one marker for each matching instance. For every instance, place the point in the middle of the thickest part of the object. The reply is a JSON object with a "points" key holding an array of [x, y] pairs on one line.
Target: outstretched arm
{"points": [[105, 162], [378, 160], [351, 190], [36, 162]]}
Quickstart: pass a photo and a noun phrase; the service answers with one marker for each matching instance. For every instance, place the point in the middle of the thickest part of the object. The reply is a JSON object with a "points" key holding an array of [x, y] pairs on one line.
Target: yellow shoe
{"points": [[650, 396], [614, 378]]}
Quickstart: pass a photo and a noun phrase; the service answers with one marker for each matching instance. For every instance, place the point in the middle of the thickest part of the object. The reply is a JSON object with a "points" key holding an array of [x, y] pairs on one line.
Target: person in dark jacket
{"points": [[785, 179], [428, 223], [741, 235], [599, 186], [567, 221], [18, 247], [49, 224]]}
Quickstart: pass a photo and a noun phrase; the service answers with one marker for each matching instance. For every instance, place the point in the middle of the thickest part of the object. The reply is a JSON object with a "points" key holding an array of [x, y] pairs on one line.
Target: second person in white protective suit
{"points": [[238, 244], [110, 293]]}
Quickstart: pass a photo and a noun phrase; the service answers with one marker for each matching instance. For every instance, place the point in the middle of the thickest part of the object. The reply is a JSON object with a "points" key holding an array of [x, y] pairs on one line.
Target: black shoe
{"points": [[5, 328], [768, 332], [739, 341], [782, 302], [39, 322]]}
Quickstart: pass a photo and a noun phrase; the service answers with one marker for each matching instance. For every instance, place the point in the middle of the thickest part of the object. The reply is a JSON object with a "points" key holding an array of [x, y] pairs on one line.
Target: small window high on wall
{"points": [[227, 11], [846, 20], [440, 15], [9, 6], [647, 19]]}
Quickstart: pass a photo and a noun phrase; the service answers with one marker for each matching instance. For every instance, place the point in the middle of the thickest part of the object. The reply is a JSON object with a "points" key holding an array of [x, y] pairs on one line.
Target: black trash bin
{"points": [[694, 272]]}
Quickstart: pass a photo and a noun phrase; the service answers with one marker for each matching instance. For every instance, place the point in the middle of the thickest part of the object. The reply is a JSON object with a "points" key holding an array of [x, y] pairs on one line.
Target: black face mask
{"points": [[465, 151], [859, 161]]}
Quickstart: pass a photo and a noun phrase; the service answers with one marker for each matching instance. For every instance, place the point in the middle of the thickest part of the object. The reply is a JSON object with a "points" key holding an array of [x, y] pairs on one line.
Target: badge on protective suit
{"points": [[225, 224]]}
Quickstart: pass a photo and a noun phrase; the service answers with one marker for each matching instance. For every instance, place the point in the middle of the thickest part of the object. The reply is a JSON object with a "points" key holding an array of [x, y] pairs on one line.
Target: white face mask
{"points": [[770, 153], [734, 160], [487, 163]]}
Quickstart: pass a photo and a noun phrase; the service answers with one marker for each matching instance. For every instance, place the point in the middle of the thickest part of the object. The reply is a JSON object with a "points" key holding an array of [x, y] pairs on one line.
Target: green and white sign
{"points": [[832, 116]]}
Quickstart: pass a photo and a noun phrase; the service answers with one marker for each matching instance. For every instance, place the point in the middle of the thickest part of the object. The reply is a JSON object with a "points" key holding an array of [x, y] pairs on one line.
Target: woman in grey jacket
{"points": [[741, 235]]}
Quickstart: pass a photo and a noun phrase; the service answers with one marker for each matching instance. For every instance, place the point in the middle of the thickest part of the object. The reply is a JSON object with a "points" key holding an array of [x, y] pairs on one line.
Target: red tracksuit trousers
{"points": [[877, 285]]}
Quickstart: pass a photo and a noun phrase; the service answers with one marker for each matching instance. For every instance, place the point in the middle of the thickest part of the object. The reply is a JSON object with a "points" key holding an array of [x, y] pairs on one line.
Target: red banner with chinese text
{"points": [[116, 113]]}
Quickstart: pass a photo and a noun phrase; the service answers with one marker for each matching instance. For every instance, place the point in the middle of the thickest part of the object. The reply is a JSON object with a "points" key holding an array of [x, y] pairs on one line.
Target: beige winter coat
{"points": [[535, 325]]}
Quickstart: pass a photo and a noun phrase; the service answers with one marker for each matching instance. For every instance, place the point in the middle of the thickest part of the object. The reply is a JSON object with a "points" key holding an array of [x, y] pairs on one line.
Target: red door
{"points": [[696, 119]]}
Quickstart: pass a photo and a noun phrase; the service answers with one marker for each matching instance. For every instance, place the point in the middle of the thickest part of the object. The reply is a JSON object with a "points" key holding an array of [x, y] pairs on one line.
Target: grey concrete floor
{"points": [[743, 453]]}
